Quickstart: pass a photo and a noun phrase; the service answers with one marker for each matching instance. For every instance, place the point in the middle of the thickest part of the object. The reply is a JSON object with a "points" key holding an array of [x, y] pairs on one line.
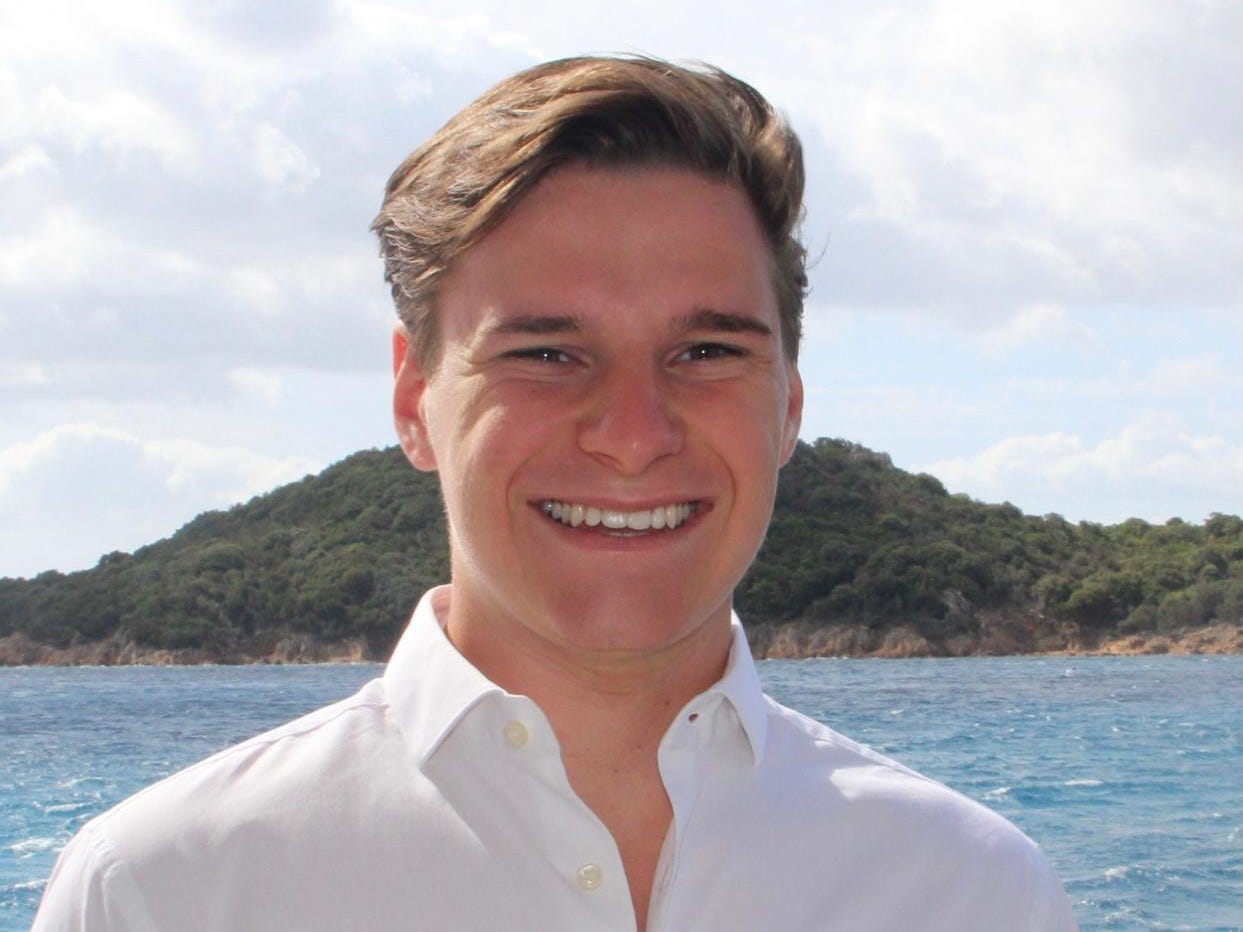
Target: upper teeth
{"points": [[574, 514]]}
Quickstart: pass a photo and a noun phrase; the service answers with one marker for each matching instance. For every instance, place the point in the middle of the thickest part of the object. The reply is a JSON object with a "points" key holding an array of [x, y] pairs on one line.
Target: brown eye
{"points": [[541, 354], [702, 352]]}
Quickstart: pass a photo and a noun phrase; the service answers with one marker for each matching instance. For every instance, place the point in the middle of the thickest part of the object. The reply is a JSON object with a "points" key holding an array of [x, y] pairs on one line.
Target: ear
{"points": [[409, 386], [793, 415]]}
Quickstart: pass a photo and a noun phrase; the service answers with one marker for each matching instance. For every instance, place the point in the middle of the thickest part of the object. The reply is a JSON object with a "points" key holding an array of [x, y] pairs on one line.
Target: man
{"points": [[600, 285]]}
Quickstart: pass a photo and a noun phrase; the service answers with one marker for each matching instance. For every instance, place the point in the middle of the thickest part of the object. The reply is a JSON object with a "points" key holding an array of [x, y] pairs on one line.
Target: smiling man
{"points": [[600, 284]]}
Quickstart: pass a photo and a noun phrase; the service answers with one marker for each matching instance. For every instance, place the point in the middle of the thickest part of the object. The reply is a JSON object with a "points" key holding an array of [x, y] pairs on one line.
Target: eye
{"points": [[703, 352], [544, 354]]}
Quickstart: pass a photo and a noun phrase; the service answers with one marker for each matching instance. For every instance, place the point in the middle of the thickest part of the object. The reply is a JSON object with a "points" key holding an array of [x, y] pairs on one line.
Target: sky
{"points": [[1026, 224]]}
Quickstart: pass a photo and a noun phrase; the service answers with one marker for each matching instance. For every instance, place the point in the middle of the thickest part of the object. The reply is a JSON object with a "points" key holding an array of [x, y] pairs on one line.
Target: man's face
{"points": [[609, 412]]}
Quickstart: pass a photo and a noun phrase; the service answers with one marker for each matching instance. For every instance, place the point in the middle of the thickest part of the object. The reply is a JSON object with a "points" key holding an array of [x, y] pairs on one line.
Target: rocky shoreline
{"points": [[789, 641], [800, 640], [17, 650]]}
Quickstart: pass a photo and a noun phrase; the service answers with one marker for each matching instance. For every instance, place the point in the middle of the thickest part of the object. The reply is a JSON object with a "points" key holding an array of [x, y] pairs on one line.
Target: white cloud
{"points": [[255, 289], [26, 161], [1199, 380], [1036, 323], [80, 490], [14, 375], [62, 249], [282, 163], [1020, 153], [201, 177], [225, 474], [187, 188], [908, 404], [1140, 472], [117, 122], [1194, 374], [256, 383]]}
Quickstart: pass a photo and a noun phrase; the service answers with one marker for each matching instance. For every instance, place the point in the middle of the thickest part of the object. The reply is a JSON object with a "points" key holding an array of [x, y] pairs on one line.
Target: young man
{"points": [[600, 285]]}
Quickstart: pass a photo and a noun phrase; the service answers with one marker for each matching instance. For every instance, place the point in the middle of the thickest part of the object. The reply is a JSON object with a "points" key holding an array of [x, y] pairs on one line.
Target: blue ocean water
{"points": [[1127, 770]]}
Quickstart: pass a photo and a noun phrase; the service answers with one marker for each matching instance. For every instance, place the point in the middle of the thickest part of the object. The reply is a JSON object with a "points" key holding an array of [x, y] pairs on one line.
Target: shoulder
{"points": [[228, 826], [855, 781], [810, 750], [867, 809], [274, 775]]}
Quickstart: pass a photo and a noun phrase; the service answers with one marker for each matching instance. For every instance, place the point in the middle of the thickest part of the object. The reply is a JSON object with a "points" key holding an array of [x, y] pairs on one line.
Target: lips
{"points": [[661, 517]]}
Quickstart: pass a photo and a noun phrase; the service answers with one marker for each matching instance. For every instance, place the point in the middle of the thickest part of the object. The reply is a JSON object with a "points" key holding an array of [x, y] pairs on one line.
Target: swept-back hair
{"points": [[602, 112]]}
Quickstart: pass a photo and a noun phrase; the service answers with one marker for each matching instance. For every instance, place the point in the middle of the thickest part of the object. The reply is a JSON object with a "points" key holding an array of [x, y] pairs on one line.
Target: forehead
{"points": [[589, 241]]}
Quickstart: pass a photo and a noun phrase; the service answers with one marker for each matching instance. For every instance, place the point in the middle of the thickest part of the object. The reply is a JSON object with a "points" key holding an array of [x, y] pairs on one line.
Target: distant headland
{"points": [[862, 559]]}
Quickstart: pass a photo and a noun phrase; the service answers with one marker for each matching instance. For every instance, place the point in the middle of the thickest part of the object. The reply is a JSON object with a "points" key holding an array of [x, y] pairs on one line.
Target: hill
{"points": [[861, 558]]}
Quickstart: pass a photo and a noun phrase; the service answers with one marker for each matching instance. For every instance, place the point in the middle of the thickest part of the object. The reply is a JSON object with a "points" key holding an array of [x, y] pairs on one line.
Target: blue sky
{"points": [[1028, 223]]}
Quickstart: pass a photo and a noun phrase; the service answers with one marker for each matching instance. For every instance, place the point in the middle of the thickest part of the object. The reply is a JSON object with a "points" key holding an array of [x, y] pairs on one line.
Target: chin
{"points": [[636, 623]]}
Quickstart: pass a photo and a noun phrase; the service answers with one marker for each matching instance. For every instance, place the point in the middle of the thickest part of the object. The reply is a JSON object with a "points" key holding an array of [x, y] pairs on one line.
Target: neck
{"points": [[588, 692], [609, 710]]}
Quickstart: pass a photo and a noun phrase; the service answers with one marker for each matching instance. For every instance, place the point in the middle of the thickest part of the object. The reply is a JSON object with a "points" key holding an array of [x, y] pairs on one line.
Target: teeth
{"points": [[664, 517]]}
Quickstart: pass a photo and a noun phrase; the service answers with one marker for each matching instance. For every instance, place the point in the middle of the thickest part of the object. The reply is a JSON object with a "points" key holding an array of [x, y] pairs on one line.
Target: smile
{"points": [[662, 517]]}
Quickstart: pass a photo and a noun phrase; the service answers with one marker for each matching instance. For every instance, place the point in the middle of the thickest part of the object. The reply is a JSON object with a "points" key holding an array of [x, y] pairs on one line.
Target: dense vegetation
{"points": [[854, 541]]}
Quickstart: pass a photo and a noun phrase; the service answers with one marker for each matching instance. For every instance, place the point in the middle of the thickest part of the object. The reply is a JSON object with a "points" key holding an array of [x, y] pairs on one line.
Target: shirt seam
{"points": [[114, 874], [261, 741]]}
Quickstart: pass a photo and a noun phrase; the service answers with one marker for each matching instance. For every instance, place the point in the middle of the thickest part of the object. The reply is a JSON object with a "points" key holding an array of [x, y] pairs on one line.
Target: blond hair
{"points": [[602, 112]]}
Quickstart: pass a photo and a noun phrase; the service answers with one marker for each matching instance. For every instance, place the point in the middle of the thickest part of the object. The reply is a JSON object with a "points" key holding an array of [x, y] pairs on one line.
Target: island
{"points": [[862, 559]]}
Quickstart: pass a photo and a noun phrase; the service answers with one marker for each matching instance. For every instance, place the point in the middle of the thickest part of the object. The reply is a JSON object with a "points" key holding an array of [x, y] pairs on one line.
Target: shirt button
{"points": [[590, 876], [515, 734]]}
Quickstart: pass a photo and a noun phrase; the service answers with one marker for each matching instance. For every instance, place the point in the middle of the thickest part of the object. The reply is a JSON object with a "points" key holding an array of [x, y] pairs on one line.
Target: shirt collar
{"points": [[431, 686], [740, 685]]}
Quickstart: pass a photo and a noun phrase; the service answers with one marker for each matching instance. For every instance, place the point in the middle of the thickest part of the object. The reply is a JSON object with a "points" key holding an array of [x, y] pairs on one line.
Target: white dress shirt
{"points": [[434, 800]]}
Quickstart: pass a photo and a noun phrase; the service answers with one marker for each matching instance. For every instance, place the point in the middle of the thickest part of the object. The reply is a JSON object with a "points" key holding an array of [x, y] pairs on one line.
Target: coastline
{"points": [[17, 650], [799, 640], [787, 641]]}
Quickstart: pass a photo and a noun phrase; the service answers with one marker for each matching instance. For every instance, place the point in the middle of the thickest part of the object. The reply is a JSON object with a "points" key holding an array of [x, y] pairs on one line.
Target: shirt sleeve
{"points": [[1051, 910], [91, 890]]}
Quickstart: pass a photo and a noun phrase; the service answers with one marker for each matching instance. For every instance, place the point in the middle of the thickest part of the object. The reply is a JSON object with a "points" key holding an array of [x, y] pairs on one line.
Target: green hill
{"points": [[861, 558]]}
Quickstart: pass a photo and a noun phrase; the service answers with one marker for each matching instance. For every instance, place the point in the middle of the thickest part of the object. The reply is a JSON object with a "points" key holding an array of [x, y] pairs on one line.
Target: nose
{"points": [[628, 422]]}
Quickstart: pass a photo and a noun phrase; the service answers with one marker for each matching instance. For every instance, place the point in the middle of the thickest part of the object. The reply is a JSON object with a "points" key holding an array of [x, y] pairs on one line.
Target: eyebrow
{"points": [[707, 318], [536, 324]]}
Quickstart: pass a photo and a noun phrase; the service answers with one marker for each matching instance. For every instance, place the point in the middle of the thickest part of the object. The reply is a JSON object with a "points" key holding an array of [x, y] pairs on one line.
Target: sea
{"points": [[1128, 771]]}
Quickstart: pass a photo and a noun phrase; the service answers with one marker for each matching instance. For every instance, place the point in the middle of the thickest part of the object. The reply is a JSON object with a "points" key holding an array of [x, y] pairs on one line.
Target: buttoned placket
{"points": [[559, 824], [682, 761], [500, 769]]}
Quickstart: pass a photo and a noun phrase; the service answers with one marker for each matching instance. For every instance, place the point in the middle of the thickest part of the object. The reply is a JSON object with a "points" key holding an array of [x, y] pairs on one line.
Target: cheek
{"points": [[490, 449], [751, 426]]}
